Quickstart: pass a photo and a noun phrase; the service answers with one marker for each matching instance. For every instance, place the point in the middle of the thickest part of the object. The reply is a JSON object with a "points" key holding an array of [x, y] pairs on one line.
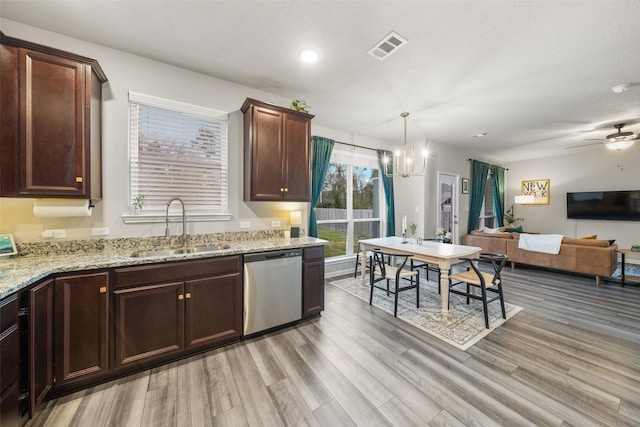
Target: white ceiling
{"points": [[537, 76]]}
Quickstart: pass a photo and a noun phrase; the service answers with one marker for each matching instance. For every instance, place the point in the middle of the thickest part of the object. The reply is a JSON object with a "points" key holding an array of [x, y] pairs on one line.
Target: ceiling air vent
{"points": [[389, 44]]}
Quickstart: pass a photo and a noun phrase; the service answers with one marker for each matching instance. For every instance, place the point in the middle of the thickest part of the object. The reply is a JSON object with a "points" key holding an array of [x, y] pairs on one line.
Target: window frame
{"points": [[193, 215], [351, 160], [483, 218]]}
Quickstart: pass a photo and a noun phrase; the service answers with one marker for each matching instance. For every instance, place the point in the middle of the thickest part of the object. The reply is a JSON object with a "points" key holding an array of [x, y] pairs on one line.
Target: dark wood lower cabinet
{"points": [[198, 306], [214, 310], [82, 327], [9, 411], [9, 363], [41, 312], [312, 281], [149, 322]]}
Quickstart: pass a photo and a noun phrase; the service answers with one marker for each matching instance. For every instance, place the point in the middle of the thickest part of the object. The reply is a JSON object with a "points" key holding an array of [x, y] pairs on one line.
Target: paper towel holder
{"points": [[62, 207]]}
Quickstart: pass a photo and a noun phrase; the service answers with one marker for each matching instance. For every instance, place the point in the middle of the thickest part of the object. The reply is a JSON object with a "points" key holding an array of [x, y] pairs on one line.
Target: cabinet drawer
{"points": [[9, 356], [8, 312], [316, 252], [177, 271]]}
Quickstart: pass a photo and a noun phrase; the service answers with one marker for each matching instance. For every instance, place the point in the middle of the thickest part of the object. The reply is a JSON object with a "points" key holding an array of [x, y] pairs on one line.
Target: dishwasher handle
{"points": [[272, 256]]}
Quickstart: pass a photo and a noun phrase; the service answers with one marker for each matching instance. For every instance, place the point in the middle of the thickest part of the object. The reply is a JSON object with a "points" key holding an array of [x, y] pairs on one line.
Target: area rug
{"points": [[629, 270], [462, 327]]}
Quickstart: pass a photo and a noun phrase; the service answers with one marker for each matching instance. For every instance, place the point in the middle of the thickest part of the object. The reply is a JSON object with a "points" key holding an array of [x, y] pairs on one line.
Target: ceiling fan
{"points": [[616, 141]]}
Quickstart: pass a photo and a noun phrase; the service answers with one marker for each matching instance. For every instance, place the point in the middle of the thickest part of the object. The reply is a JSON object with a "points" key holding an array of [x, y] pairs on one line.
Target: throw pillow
{"points": [[612, 241], [517, 229], [491, 230], [593, 236]]}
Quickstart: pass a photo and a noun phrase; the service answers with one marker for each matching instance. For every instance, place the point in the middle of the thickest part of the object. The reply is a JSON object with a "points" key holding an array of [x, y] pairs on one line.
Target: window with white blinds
{"points": [[178, 150]]}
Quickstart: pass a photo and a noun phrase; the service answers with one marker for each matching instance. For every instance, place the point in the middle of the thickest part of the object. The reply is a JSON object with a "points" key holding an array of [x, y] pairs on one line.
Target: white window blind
{"points": [[178, 150]]}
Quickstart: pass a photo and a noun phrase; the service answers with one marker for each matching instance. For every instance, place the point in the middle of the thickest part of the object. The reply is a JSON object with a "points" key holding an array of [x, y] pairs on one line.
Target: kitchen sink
{"points": [[178, 251]]}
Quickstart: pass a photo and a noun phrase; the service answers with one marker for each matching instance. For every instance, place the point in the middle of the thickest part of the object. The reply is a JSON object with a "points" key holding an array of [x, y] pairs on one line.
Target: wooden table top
{"points": [[627, 251]]}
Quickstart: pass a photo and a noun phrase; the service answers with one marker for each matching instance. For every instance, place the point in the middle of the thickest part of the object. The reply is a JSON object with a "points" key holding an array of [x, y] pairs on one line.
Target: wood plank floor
{"points": [[570, 358]]}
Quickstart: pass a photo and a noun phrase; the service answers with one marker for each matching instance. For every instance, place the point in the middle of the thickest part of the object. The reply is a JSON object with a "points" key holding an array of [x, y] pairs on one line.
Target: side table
{"points": [[624, 253]]}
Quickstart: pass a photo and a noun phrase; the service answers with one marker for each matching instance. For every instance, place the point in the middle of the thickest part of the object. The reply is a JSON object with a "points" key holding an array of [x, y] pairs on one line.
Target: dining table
{"points": [[444, 255]]}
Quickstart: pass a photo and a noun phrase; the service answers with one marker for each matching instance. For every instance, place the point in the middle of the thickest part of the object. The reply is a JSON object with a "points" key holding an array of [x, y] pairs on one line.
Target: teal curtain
{"points": [[387, 183], [497, 185], [479, 172], [321, 152]]}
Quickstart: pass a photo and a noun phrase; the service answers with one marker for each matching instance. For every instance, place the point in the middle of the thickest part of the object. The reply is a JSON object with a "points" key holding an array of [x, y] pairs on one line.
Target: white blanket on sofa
{"points": [[546, 243]]}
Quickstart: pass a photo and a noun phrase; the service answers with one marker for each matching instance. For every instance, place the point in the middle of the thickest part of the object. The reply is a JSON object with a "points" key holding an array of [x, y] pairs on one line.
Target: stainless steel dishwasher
{"points": [[272, 289]]}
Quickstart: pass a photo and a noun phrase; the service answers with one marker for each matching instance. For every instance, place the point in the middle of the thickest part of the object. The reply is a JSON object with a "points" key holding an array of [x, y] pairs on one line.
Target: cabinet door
{"points": [[41, 341], [9, 362], [81, 336], [149, 322], [266, 154], [312, 287], [54, 97], [9, 106], [214, 310], [297, 166]]}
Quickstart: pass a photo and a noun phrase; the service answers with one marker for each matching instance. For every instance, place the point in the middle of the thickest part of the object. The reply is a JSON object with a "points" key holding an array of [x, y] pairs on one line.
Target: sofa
{"points": [[586, 256]]}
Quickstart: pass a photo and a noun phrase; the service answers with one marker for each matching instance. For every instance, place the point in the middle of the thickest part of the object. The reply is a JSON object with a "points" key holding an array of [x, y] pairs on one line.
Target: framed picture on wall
{"points": [[465, 185], [538, 188]]}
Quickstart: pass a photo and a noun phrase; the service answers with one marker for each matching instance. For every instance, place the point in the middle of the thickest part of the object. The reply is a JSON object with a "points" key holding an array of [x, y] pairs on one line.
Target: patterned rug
{"points": [[462, 327], [629, 270]]}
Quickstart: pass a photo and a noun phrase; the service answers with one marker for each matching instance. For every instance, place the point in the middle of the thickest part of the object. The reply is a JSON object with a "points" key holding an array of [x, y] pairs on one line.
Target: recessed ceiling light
{"points": [[480, 135], [309, 55], [621, 88]]}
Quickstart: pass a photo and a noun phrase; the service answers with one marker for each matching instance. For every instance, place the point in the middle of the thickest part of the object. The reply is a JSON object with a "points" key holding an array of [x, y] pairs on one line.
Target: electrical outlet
{"points": [[275, 223], [54, 234], [100, 231], [245, 224]]}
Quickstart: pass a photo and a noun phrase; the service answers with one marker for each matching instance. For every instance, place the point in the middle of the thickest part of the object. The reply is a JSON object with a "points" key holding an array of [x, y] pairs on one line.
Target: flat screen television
{"points": [[606, 205]]}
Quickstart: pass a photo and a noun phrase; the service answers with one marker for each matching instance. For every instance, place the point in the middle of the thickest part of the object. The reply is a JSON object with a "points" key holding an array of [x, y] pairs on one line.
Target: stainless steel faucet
{"points": [[184, 220]]}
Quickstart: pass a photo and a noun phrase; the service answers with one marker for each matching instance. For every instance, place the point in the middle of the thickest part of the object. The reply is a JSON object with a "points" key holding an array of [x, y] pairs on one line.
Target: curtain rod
{"points": [[357, 146], [489, 164]]}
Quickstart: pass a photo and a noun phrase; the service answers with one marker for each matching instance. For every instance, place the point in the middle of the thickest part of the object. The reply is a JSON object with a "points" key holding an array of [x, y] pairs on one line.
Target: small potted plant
{"points": [[300, 105], [510, 219], [635, 248], [138, 203]]}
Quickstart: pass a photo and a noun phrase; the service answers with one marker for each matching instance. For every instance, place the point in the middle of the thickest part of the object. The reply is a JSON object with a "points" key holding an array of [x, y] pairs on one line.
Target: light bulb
{"points": [[309, 55]]}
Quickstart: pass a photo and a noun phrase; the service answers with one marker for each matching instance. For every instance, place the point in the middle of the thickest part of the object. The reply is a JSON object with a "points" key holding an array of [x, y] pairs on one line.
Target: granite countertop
{"points": [[21, 271]]}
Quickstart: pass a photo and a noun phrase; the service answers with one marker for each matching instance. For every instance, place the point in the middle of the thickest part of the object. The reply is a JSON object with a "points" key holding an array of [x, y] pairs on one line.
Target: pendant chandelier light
{"points": [[404, 159]]}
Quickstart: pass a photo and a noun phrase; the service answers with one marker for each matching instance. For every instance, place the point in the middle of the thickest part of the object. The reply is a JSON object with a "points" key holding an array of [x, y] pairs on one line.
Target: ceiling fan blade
{"points": [[583, 145]]}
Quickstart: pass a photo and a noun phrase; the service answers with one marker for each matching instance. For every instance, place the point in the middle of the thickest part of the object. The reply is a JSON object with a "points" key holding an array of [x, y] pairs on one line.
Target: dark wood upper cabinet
{"points": [[277, 153], [51, 132], [81, 337]]}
